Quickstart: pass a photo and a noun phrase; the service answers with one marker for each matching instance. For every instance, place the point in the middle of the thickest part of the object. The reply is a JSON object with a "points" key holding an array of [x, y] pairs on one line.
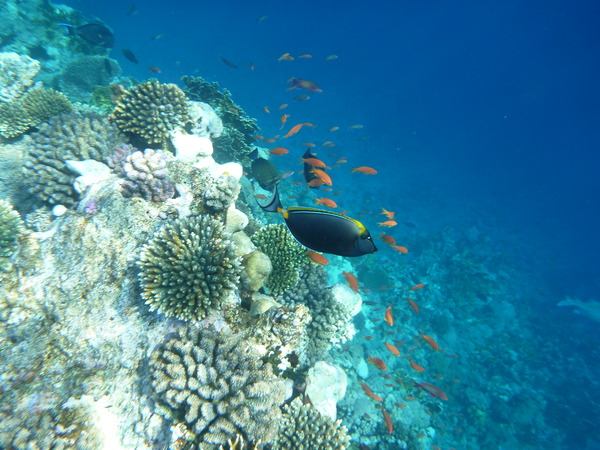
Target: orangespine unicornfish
{"points": [[324, 231]]}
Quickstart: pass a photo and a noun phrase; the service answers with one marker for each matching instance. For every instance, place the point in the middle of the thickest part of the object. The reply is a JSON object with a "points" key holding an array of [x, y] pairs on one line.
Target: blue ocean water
{"points": [[482, 121]]}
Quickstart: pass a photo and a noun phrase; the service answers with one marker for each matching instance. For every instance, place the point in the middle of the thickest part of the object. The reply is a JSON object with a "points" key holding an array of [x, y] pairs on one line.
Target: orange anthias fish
{"points": [[315, 183], [283, 120], [388, 214], [416, 367], [306, 55], [388, 240], [282, 106], [369, 393], [400, 248], [377, 362], [388, 316], [413, 305], [318, 258], [323, 176], [431, 342], [388, 421], [388, 223], [416, 287], [293, 130], [279, 151], [328, 144], [314, 162], [364, 169], [332, 129], [432, 390], [326, 201], [392, 349], [267, 110], [331, 57], [352, 281]]}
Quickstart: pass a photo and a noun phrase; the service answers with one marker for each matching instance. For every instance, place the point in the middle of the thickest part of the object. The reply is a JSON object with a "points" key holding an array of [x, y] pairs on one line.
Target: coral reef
{"points": [[188, 268], [81, 75], [11, 227], [218, 386], [66, 137], [220, 194], [152, 111], [286, 255], [304, 428], [146, 176], [331, 310], [16, 75], [236, 141], [36, 106]]}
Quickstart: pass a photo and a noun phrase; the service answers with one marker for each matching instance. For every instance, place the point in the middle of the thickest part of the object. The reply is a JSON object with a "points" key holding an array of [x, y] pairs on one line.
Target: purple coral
{"points": [[146, 176], [116, 160]]}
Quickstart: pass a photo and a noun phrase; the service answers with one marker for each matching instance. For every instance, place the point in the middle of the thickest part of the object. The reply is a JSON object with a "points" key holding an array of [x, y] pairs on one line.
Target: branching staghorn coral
{"points": [[189, 267], [218, 386]]}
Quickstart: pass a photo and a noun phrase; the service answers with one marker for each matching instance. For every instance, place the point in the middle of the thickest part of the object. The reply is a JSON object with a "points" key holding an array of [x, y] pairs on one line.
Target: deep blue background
{"points": [[477, 112]]}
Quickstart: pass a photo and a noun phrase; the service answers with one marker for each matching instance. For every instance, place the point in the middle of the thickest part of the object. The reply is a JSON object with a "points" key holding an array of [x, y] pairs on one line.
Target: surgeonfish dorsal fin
{"points": [[274, 204]]}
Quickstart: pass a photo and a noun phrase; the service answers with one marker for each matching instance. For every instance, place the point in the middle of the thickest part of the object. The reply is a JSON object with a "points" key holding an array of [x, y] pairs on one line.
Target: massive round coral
{"points": [[152, 111], [189, 267], [217, 385]]}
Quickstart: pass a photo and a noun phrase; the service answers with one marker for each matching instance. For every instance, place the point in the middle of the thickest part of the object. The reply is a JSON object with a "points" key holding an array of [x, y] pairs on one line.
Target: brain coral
{"points": [[152, 111], [65, 137], [286, 256], [304, 428], [189, 267], [218, 386], [36, 106], [11, 227], [16, 75]]}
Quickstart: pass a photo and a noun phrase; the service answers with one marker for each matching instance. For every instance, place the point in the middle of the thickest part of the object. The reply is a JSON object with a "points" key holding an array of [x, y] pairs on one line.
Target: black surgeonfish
{"points": [[94, 33], [324, 231], [309, 173], [265, 173]]}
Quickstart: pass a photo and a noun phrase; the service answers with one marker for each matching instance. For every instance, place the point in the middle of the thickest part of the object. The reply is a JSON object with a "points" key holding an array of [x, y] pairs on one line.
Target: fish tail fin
{"points": [[70, 28], [274, 204]]}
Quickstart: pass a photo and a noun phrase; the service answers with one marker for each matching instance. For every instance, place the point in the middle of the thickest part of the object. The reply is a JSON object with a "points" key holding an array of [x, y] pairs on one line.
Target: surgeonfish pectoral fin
{"points": [[274, 204]]}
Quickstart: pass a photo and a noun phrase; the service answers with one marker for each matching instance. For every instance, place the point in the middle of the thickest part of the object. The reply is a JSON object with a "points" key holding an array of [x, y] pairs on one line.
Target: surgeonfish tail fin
{"points": [[70, 28], [274, 204]]}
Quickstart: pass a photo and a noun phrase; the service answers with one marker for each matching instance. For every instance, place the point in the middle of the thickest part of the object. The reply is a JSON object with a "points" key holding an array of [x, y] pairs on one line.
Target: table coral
{"points": [[36, 106], [16, 75], [65, 137], [189, 267], [152, 111], [286, 256], [219, 387]]}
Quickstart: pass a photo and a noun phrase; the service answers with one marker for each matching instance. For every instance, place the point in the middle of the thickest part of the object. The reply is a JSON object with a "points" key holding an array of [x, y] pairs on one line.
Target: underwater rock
{"points": [[235, 220], [90, 172], [16, 75], [257, 268], [190, 148], [262, 303], [325, 386], [206, 122]]}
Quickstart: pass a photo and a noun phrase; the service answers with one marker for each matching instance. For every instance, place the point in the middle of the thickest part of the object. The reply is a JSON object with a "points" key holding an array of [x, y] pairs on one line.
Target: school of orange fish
{"points": [[323, 179]]}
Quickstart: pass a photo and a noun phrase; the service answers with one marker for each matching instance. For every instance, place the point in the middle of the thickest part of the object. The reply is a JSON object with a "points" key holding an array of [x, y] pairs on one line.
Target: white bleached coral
{"points": [[16, 75]]}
